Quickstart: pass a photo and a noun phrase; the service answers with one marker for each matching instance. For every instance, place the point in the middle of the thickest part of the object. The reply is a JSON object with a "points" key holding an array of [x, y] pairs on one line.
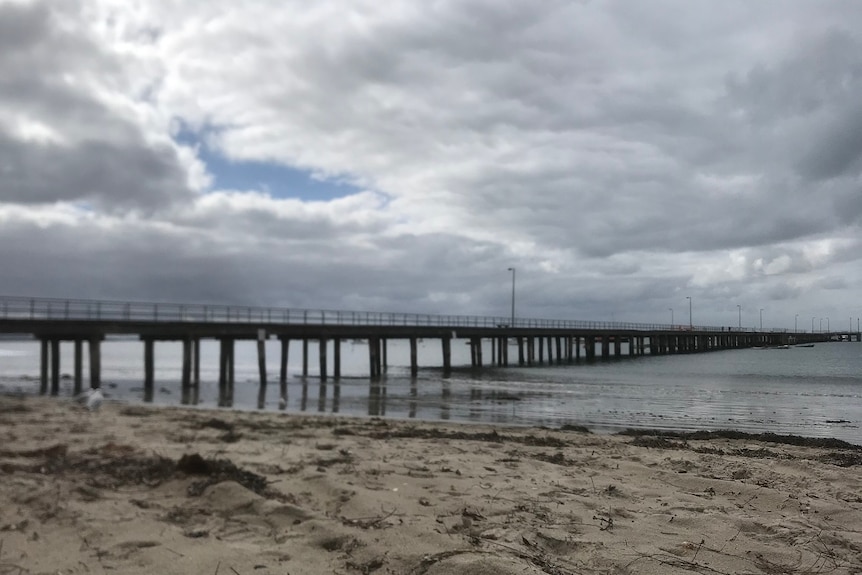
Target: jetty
{"points": [[523, 342]]}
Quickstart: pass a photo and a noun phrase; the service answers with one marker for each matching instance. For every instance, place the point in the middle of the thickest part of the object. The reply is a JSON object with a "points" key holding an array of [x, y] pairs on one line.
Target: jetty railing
{"points": [[86, 310]]}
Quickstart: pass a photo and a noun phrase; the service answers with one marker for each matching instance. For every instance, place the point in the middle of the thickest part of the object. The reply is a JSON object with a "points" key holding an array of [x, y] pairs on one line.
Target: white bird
{"points": [[94, 402], [92, 398], [282, 402]]}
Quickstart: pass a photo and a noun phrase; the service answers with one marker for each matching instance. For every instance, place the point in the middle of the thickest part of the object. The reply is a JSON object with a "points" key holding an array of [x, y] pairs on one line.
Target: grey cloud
{"points": [[124, 175], [94, 155]]}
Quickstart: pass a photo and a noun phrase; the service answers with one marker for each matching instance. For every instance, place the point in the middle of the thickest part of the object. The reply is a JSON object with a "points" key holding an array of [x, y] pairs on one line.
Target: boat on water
{"points": [[805, 345]]}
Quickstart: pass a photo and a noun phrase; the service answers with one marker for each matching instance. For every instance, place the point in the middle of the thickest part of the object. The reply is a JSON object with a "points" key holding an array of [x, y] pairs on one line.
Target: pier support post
{"points": [[187, 365], [322, 353], [414, 364], [606, 346], [231, 370], [55, 367], [222, 373], [447, 354], [578, 349], [285, 348], [590, 348], [384, 354], [541, 350], [520, 351], [196, 350], [336, 358], [617, 346], [372, 357], [79, 366], [261, 368], [148, 369], [43, 366], [559, 349], [479, 361], [304, 357], [95, 362]]}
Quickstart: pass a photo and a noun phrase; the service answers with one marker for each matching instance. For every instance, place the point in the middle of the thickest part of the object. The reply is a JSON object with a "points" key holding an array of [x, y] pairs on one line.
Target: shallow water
{"points": [[807, 391]]}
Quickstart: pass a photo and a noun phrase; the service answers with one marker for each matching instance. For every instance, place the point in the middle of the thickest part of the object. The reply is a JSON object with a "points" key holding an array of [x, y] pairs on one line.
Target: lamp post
{"points": [[796, 323], [827, 325], [671, 316], [761, 319], [812, 324], [739, 313], [821, 325], [690, 324], [513, 296]]}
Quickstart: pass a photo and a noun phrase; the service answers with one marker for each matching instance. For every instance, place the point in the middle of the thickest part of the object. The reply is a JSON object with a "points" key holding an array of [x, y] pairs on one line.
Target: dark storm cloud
{"points": [[128, 174]]}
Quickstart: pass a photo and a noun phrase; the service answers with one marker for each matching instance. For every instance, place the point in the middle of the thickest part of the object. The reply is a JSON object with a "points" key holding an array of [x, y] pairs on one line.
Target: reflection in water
{"points": [[475, 403], [445, 395], [377, 398], [190, 395], [336, 397], [321, 398], [414, 392], [303, 405]]}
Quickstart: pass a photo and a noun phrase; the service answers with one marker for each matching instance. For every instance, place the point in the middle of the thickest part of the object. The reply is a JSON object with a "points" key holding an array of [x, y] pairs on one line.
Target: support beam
{"points": [[336, 358], [43, 366], [55, 367], [261, 368], [322, 354], [95, 362], [414, 363], [79, 367], [149, 369], [187, 365]]}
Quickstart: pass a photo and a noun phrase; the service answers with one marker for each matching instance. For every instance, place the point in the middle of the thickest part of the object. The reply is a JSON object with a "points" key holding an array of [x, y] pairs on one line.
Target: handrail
{"points": [[55, 309]]}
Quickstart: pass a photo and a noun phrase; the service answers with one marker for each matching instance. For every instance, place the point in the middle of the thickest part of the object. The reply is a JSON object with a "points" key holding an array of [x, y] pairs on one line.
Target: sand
{"points": [[135, 489]]}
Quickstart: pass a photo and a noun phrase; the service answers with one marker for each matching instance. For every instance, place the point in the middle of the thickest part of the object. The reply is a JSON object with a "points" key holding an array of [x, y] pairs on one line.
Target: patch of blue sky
{"points": [[277, 180]]}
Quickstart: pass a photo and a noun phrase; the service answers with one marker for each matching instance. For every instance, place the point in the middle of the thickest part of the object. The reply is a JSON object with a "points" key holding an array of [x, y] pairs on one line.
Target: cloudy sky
{"points": [[403, 155]]}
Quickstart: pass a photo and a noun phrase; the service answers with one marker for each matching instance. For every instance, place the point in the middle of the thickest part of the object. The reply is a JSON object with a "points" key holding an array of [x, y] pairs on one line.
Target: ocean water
{"points": [[814, 391]]}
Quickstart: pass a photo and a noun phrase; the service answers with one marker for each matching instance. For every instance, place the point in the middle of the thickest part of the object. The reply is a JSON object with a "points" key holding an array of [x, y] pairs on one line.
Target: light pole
{"points": [[671, 316], [827, 325], [690, 324], [761, 319], [812, 324], [513, 296], [796, 323], [739, 313], [821, 325]]}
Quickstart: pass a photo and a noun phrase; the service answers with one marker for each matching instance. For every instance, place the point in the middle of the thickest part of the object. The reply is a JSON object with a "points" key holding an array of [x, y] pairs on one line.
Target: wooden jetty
{"points": [[536, 341]]}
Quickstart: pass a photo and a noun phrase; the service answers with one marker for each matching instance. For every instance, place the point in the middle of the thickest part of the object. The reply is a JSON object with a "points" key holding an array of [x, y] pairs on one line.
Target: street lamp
{"points": [[513, 295], [821, 325], [671, 316], [690, 325], [796, 323], [812, 324], [761, 319], [827, 325], [739, 310]]}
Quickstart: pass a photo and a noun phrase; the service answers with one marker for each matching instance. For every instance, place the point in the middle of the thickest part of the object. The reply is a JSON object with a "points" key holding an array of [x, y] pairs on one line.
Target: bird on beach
{"points": [[282, 402], [92, 398]]}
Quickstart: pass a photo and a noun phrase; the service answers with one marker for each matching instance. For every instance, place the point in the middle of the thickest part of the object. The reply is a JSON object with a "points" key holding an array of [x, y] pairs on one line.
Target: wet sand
{"points": [[135, 489]]}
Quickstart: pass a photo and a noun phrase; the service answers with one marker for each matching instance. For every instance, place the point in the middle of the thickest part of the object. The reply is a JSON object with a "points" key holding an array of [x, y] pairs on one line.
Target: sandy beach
{"points": [[134, 489]]}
